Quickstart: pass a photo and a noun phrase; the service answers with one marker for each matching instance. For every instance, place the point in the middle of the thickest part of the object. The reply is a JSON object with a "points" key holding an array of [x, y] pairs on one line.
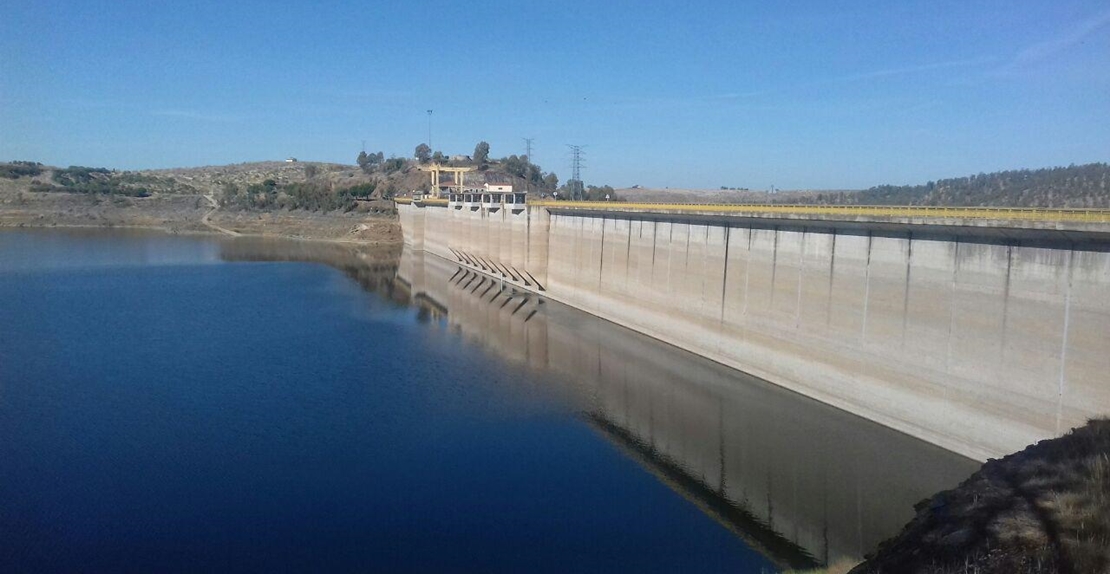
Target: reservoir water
{"points": [[184, 404]]}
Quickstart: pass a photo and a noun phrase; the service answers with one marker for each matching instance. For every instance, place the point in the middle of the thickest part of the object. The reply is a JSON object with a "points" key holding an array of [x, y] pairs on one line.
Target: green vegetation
{"points": [[574, 190], [603, 193], [532, 175], [18, 169], [362, 191], [1044, 509], [99, 180], [74, 175], [481, 153], [397, 174], [519, 166], [393, 164], [368, 162], [1075, 186], [309, 196]]}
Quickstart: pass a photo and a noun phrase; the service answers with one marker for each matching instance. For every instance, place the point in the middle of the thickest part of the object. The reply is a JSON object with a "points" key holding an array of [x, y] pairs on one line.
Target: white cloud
{"points": [[1047, 49], [971, 62], [193, 115]]}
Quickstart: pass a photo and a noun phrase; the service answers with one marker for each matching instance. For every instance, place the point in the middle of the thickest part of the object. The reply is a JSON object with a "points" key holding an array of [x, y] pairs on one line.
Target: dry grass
{"points": [[1044, 509]]}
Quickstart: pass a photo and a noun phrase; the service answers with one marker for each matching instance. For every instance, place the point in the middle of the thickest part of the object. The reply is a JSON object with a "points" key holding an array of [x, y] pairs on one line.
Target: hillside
{"points": [[1075, 186], [684, 195], [332, 176], [1045, 509], [1082, 186], [292, 199], [181, 201], [326, 187], [314, 186], [319, 186]]}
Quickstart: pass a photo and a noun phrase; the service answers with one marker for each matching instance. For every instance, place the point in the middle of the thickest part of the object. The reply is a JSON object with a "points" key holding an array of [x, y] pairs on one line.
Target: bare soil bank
{"points": [[333, 226], [184, 213], [1045, 509]]}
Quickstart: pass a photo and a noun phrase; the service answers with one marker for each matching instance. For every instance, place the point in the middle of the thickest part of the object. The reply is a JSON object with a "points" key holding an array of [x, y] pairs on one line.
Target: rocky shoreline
{"points": [[374, 222], [1045, 509]]}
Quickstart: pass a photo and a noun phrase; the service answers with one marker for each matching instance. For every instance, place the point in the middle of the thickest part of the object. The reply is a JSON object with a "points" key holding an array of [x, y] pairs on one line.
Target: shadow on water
{"points": [[374, 267], [801, 482]]}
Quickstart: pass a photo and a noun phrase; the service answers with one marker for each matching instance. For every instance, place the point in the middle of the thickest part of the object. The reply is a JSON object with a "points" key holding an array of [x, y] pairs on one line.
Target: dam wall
{"points": [[979, 339], [780, 470]]}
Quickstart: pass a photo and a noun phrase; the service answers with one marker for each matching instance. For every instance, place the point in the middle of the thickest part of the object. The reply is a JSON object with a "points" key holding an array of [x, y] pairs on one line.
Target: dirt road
{"points": [[215, 207]]}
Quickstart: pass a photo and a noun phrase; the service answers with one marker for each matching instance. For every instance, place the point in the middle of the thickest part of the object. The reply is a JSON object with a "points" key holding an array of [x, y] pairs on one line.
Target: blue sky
{"points": [[793, 94]]}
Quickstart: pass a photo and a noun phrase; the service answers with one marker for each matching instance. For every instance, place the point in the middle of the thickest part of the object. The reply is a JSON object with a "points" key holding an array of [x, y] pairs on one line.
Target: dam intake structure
{"points": [[978, 330]]}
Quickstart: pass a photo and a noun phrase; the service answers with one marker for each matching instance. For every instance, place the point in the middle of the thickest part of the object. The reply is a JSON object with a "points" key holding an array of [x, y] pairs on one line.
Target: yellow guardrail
{"points": [[910, 211], [1013, 213]]}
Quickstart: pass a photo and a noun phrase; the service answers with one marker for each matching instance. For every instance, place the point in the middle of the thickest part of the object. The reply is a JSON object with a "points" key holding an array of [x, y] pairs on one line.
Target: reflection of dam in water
{"points": [[371, 266], [785, 472]]}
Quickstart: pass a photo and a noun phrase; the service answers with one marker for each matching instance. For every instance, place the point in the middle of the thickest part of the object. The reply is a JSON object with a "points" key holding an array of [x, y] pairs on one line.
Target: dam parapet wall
{"points": [[978, 338]]}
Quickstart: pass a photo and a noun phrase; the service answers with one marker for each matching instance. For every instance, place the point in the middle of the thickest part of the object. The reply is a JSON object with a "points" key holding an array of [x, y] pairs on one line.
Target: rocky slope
{"points": [[1045, 509]]}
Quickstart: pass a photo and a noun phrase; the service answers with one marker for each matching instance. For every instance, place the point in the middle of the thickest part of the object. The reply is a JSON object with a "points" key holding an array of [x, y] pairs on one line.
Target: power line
{"points": [[528, 147], [576, 164]]}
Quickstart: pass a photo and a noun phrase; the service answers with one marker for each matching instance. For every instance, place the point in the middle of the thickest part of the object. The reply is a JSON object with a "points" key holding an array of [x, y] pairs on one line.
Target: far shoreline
{"points": [[7, 227], [189, 214]]}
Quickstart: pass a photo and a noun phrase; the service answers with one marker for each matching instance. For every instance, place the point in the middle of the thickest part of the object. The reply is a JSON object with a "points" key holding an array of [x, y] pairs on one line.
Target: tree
{"points": [[481, 152], [393, 164], [602, 193], [438, 157], [551, 181], [514, 166], [574, 189], [423, 153], [366, 161]]}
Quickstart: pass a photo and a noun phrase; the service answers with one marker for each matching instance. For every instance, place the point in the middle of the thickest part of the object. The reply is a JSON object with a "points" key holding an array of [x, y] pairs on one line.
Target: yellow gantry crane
{"points": [[456, 176]]}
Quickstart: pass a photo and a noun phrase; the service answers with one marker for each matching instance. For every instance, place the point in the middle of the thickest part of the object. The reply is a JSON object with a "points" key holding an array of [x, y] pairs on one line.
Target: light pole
{"points": [[429, 129]]}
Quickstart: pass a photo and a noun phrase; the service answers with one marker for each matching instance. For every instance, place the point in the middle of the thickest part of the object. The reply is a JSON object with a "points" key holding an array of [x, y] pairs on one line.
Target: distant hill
{"points": [[266, 185], [326, 186], [685, 195], [1075, 186]]}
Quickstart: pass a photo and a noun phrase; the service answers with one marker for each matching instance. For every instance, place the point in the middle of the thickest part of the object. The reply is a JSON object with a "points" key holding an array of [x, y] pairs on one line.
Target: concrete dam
{"points": [[980, 331], [792, 477]]}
